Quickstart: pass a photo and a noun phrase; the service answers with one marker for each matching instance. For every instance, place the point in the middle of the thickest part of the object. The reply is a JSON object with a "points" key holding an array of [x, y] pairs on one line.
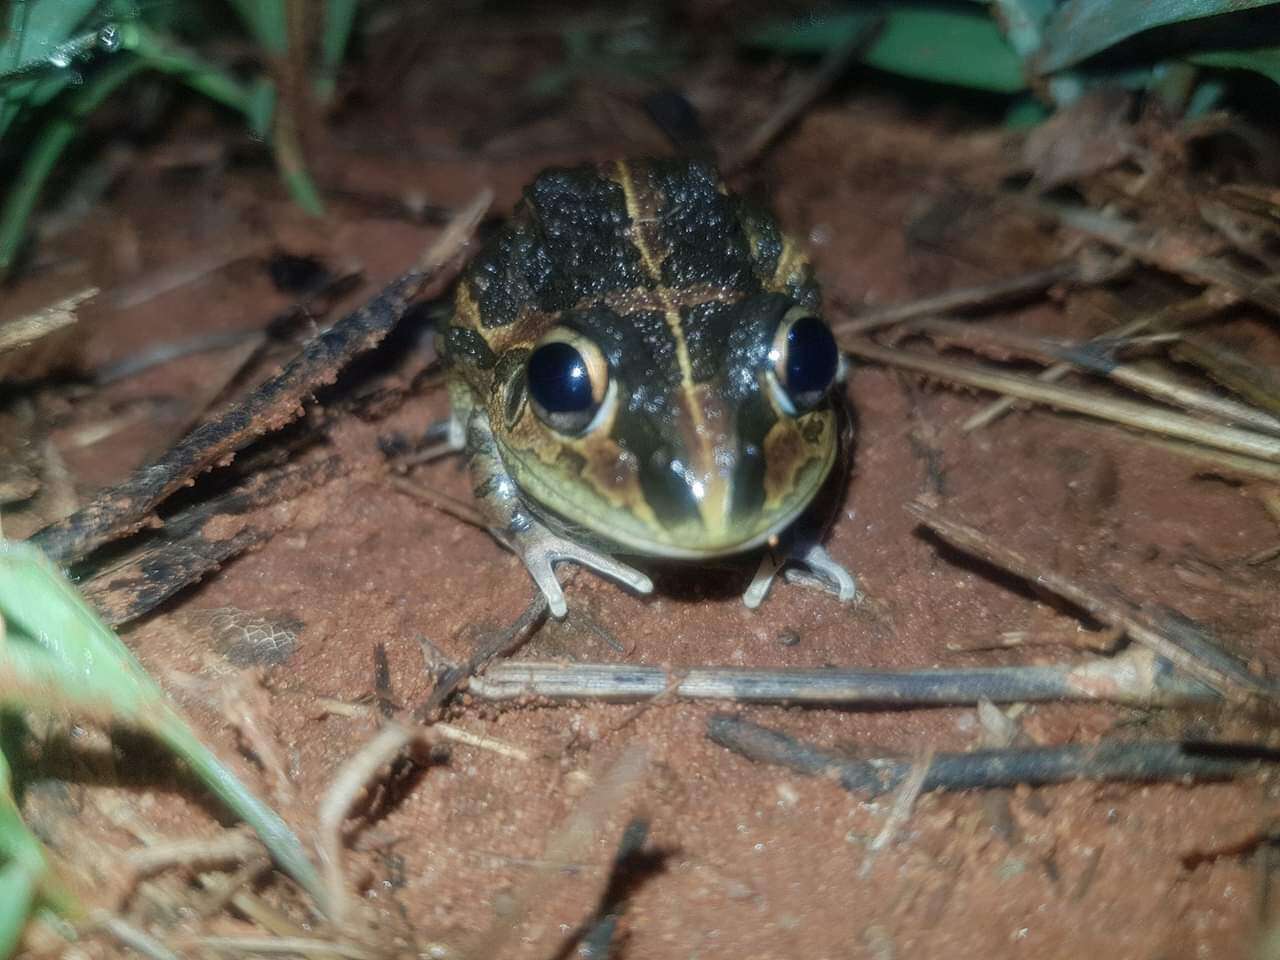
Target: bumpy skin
{"points": [[682, 286]]}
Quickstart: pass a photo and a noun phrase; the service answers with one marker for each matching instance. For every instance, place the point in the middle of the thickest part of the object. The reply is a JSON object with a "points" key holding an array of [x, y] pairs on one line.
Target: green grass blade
{"points": [[17, 899], [274, 833], [255, 102], [1081, 28], [24, 873], [24, 191], [158, 53], [339, 19], [267, 23], [57, 654]]}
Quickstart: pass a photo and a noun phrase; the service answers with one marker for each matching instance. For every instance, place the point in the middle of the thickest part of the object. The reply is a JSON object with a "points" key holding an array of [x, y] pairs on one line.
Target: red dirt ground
{"points": [[756, 862]]}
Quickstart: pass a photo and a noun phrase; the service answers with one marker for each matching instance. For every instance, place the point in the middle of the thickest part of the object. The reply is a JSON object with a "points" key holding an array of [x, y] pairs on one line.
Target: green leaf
{"points": [[1263, 60], [37, 28], [159, 53], [1081, 28], [261, 107], [947, 46], [960, 47], [339, 18]]}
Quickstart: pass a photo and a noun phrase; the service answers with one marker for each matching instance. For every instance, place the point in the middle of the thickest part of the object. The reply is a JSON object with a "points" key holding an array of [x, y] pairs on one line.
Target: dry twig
{"points": [[1136, 677], [350, 782], [1137, 377], [504, 644], [1167, 636], [1140, 415], [954, 301], [1164, 250], [30, 328], [1173, 317], [124, 508], [987, 769], [835, 63]]}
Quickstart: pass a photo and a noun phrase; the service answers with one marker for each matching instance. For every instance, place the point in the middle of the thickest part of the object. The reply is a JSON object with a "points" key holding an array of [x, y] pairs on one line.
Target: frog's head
{"points": [[692, 437]]}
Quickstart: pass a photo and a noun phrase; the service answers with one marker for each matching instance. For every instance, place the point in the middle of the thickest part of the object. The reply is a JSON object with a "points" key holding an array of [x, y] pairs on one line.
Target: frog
{"points": [[638, 368]]}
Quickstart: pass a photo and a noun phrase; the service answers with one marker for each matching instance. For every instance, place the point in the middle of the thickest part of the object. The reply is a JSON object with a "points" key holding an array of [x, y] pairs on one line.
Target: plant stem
{"points": [[25, 191]]}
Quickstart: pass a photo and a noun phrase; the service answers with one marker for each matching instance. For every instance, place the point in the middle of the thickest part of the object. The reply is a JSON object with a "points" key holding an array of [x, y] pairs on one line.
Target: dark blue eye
{"points": [[808, 361], [558, 379], [566, 383]]}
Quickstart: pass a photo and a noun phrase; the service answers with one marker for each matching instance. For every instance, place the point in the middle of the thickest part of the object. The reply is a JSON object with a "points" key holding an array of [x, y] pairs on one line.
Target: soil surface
{"points": [[744, 860]]}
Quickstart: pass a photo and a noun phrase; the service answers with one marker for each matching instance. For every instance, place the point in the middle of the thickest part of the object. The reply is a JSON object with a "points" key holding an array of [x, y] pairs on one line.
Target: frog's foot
{"points": [[823, 573], [541, 550]]}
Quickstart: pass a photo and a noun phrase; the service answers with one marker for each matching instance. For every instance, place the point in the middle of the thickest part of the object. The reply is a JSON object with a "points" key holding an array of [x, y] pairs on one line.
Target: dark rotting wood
{"points": [[1125, 761], [190, 546], [126, 507]]}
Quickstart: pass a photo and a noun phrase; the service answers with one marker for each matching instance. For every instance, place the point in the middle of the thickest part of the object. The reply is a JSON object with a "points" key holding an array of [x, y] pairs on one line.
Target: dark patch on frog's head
{"points": [[566, 243], [513, 269], [467, 346], [697, 228], [729, 343], [582, 219]]}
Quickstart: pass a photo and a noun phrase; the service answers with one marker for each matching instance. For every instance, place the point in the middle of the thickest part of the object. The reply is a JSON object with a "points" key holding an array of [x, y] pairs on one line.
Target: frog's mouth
{"points": [[632, 525]]}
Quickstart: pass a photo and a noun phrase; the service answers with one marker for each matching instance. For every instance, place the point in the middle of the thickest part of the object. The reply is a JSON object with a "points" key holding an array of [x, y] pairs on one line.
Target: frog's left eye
{"points": [[568, 379], [805, 360]]}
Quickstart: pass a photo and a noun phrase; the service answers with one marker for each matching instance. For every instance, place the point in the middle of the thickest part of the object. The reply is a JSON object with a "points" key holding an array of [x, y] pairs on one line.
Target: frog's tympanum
{"points": [[638, 367]]}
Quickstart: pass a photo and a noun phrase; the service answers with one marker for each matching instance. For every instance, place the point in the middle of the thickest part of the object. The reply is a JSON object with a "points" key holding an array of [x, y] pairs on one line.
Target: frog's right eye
{"points": [[567, 378]]}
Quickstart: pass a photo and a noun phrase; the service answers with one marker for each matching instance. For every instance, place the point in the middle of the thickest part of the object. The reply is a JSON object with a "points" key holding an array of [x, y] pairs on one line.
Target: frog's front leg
{"points": [[517, 528], [806, 551]]}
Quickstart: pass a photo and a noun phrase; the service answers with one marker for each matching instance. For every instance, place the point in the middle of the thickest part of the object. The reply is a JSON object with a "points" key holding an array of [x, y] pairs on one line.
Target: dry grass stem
{"points": [[1258, 384], [903, 805], [29, 328], [446, 504], [1212, 461], [448, 731], [1164, 250], [1130, 413], [245, 705], [571, 843], [1174, 317], [833, 64], [457, 234], [310, 946], [954, 300], [131, 936], [1193, 652], [1133, 677], [231, 847], [350, 783], [1140, 378]]}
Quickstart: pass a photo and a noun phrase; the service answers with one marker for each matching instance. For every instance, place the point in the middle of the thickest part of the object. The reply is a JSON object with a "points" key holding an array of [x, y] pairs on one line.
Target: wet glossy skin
{"points": [[677, 290]]}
